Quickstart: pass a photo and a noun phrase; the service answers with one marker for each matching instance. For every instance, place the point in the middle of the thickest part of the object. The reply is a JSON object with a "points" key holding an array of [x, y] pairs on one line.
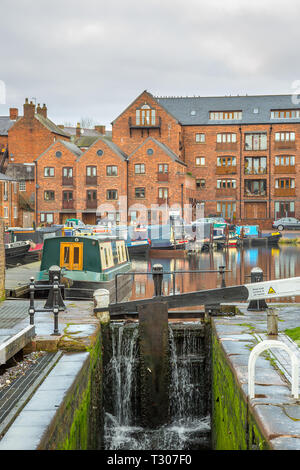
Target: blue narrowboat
{"points": [[250, 235], [87, 263]]}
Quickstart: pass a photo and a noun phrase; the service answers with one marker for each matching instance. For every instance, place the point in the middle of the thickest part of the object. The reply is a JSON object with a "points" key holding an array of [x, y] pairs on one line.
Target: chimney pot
{"points": [[78, 130], [13, 114]]}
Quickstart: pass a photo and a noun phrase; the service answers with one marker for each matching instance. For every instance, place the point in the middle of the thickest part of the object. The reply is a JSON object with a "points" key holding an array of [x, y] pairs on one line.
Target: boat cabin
{"points": [[97, 259]]}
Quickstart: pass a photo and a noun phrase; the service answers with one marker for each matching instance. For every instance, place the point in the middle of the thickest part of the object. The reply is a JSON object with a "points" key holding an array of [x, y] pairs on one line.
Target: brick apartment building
{"points": [[235, 156]]}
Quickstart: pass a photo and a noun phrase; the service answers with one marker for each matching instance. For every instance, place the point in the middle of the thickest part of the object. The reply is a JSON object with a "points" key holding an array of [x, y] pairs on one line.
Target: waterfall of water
{"points": [[189, 426]]}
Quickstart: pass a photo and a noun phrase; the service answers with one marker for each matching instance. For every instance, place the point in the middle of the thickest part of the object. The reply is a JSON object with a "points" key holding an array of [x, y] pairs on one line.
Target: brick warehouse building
{"points": [[235, 156]]}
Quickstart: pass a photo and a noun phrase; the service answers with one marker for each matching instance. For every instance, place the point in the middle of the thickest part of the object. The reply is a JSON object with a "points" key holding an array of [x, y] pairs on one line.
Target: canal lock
{"points": [[176, 415]]}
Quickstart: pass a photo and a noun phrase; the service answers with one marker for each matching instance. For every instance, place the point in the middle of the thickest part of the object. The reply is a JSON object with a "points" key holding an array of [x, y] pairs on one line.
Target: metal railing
{"points": [[54, 302], [157, 273], [257, 350]]}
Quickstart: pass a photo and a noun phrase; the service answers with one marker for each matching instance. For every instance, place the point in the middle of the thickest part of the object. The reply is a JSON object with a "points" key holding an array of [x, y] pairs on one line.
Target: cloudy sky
{"points": [[91, 58]]}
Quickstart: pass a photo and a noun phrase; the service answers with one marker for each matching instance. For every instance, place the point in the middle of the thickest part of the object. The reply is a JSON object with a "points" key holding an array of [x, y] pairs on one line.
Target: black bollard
{"points": [[157, 274], [222, 272], [54, 271], [31, 301], [55, 305], [257, 275]]}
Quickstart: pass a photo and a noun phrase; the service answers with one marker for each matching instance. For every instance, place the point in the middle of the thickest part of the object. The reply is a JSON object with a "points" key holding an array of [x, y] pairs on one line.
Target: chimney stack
{"points": [[78, 130], [29, 109], [13, 114], [44, 111], [100, 129]]}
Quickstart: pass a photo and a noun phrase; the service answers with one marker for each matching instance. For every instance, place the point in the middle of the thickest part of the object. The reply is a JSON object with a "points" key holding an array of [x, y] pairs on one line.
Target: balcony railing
{"points": [[67, 181], [91, 180], [68, 204], [144, 126], [288, 169], [225, 170], [285, 145], [91, 204], [161, 201], [226, 146], [162, 176], [284, 192], [223, 192], [255, 171]]}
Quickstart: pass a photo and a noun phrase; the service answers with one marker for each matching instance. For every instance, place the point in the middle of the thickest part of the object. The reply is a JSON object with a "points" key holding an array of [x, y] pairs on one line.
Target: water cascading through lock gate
{"points": [[189, 424]]}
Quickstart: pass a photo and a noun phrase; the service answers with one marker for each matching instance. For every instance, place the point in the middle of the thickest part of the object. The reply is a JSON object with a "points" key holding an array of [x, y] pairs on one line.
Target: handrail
{"points": [[257, 350]]}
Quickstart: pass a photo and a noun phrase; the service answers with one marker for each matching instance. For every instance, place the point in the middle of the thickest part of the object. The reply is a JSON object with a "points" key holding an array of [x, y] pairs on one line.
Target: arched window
{"points": [[145, 116]]}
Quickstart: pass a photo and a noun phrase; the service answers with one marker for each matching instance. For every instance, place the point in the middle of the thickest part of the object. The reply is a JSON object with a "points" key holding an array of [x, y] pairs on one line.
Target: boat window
{"points": [[106, 255], [121, 251], [71, 256]]}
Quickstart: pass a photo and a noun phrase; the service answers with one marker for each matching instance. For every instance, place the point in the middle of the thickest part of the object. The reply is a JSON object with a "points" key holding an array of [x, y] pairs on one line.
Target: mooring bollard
{"points": [[272, 321], [257, 275], [222, 272], [55, 272], [157, 274], [101, 299], [55, 305]]}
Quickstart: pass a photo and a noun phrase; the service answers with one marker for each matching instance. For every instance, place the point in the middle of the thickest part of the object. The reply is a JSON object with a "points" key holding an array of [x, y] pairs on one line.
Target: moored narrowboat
{"points": [[250, 235], [87, 263]]}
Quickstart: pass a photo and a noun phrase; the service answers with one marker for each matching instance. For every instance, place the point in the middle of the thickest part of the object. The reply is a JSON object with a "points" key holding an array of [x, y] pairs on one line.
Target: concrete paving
{"points": [[274, 407]]}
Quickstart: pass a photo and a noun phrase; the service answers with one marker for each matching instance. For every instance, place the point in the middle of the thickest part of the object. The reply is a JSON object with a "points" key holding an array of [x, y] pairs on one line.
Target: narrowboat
{"points": [[250, 235], [87, 263], [163, 238], [16, 250]]}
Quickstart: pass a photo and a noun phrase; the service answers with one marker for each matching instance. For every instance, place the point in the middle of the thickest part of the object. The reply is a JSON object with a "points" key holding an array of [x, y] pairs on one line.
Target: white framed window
{"points": [[200, 161], [15, 212], [200, 138], [22, 186], [284, 136], [5, 213]]}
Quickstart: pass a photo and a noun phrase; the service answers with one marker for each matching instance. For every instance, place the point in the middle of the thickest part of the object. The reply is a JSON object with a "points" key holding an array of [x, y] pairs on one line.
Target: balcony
{"points": [[145, 127], [284, 169], [91, 203], [285, 145], [91, 180], [225, 170], [255, 171], [226, 192], [282, 192], [67, 181], [162, 176], [226, 146], [68, 204], [257, 188], [162, 201]]}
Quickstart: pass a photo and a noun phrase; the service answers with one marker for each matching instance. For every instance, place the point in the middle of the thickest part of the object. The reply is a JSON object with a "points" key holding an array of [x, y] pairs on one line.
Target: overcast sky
{"points": [[92, 58]]}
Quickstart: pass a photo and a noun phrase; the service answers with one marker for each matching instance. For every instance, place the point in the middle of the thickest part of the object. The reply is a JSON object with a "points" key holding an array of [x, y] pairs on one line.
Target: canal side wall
{"points": [[2, 262], [65, 411], [233, 425]]}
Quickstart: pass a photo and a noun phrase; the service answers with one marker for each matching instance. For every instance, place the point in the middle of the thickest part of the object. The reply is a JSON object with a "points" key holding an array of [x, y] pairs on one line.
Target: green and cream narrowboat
{"points": [[87, 263]]}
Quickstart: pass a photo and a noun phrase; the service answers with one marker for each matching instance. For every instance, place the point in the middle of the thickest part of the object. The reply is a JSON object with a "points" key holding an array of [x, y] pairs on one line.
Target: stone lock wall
{"points": [[233, 427]]}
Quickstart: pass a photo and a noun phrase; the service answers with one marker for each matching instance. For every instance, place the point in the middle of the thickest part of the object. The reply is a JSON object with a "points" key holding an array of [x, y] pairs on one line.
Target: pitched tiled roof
{"points": [[69, 145], [50, 125], [112, 146], [255, 109], [164, 147], [5, 124]]}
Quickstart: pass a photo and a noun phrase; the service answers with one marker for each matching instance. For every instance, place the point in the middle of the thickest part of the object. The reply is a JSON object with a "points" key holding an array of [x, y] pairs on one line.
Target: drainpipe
{"points": [[36, 195], [241, 149], [127, 163], [270, 172]]}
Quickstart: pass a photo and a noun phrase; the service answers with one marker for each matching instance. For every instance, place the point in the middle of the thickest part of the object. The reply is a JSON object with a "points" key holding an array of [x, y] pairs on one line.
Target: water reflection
{"points": [[276, 263]]}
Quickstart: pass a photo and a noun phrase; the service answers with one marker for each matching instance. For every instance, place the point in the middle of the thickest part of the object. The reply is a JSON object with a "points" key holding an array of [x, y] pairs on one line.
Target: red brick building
{"points": [[235, 156]]}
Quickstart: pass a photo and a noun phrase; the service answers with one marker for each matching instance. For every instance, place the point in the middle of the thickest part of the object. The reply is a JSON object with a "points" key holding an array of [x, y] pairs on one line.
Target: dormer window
{"points": [[145, 116]]}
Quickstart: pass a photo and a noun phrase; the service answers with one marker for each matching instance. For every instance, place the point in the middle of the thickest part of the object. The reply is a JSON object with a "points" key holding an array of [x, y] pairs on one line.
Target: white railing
{"points": [[257, 350]]}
